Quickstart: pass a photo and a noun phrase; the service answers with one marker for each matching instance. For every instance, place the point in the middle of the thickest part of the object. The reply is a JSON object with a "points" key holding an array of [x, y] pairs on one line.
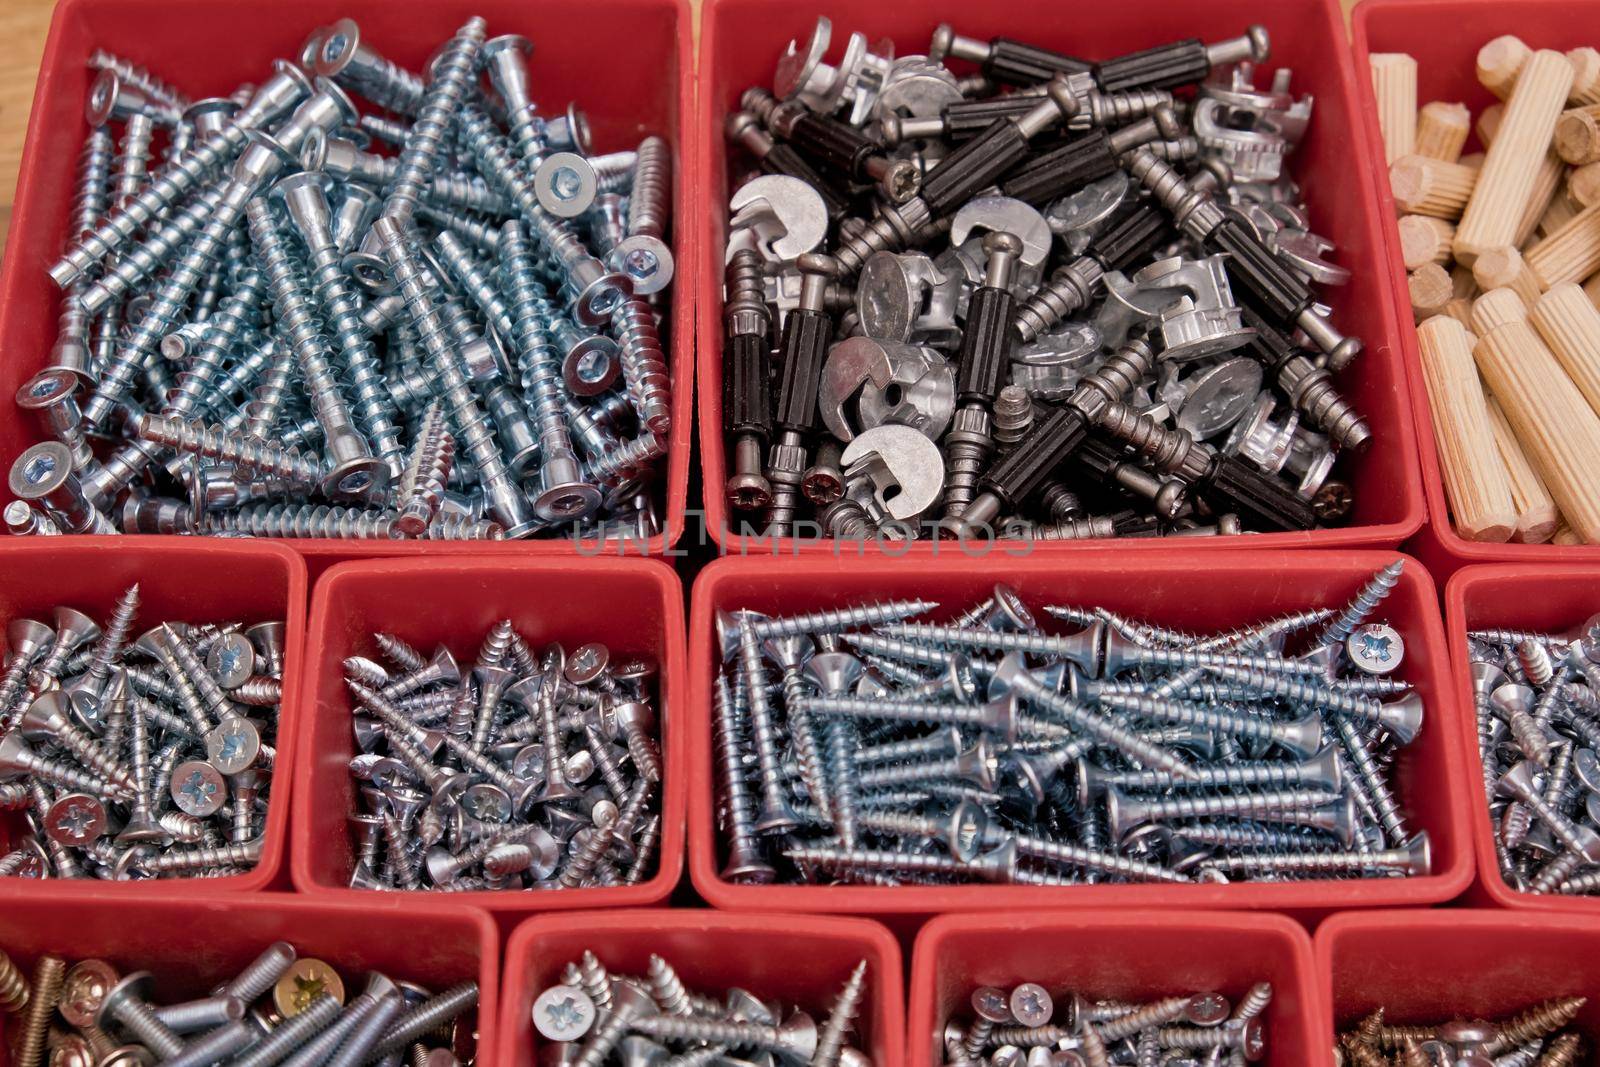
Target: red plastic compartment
{"points": [[1121, 955], [1199, 591], [1428, 966], [800, 960], [191, 945], [640, 83], [744, 38], [634, 606], [201, 581], [1445, 71], [1548, 599]]}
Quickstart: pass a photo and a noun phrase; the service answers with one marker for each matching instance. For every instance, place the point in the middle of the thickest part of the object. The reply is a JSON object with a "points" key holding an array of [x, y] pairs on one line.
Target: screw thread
{"points": [[452, 77], [305, 520], [374, 407], [644, 369], [472, 426], [14, 989], [963, 465], [1375, 787], [386, 84], [735, 787], [427, 1017], [252, 455], [1172, 452], [667, 989], [427, 473], [649, 205], [94, 172], [292, 1033], [246, 854], [297, 320], [272, 395], [1313, 393], [830, 1039], [594, 980], [140, 1020], [894, 229], [625, 460], [763, 725], [542, 388], [1249, 805], [132, 167], [1097, 860], [48, 975], [476, 280], [1069, 289], [1536, 1022], [400, 652], [140, 78], [1143, 1018], [1371, 595], [496, 163]]}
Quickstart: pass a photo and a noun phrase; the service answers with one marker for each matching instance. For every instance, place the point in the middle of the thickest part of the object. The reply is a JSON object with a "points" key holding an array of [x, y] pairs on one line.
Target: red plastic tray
{"points": [[1124, 955], [799, 960], [1549, 599], [640, 82], [201, 581], [744, 38], [192, 944], [634, 606], [1427, 965], [1445, 64], [1190, 591]]}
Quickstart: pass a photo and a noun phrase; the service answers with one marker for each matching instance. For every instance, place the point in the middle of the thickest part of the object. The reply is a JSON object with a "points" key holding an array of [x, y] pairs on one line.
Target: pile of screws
{"points": [[1095, 1033], [1538, 707], [598, 1019], [1082, 308], [894, 752], [302, 1018], [143, 758], [518, 773], [283, 332], [1536, 1037]]}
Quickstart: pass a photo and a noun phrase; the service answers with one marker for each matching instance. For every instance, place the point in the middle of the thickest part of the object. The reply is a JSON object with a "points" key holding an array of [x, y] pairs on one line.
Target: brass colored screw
{"points": [[13, 987], [47, 978]]}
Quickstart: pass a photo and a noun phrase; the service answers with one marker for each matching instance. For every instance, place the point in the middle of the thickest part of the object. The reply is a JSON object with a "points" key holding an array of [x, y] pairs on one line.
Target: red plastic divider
{"points": [[1426, 966], [1123, 955], [1549, 599], [797, 959], [192, 944], [1444, 36], [1198, 591], [202, 581], [634, 606], [640, 82], [742, 40]]}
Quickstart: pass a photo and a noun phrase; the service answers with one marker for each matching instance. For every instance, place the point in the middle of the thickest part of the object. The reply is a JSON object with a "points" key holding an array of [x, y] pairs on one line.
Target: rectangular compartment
{"points": [[201, 581], [744, 38], [634, 606], [641, 82], [799, 960], [193, 945], [1121, 955], [1200, 591], [1547, 599], [1445, 71], [1429, 966]]}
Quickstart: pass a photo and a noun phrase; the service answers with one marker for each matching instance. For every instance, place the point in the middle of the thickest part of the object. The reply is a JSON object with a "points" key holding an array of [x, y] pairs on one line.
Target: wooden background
{"points": [[22, 30]]}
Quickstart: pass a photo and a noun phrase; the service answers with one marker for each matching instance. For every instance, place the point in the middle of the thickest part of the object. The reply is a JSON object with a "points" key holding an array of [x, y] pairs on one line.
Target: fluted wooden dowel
{"points": [[1500, 63], [1442, 130], [1394, 85], [1558, 431], [1585, 76], [1425, 240], [1571, 253], [1504, 268], [1570, 325], [1423, 186], [1578, 135], [1500, 198], [1537, 514], [1430, 290], [1475, 480], [1546, 179]]}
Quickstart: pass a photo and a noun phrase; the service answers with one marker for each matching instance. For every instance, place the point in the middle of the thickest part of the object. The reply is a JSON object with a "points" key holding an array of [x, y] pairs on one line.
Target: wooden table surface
{"points": [[23, 24]]}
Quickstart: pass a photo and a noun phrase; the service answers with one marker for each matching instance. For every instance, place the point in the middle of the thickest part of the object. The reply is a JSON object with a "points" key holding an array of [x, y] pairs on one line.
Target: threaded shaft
{"points": [[251, 455], [292, 1033], [649, 205], [667, 989], [426, 474], [1169, 451], [644, 368], [893, 230], [542, 388], [303, 520], [1069, 289], [1370, 596], [41, 1002], [428, 1017], [735, 787], [140, 78], [452, 77], [132, 167]]}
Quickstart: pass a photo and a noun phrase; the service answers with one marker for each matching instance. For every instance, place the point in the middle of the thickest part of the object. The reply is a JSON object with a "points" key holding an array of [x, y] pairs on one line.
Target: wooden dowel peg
{"points": [[1475, 479], [1545, 182], [1460, 309], [1570, 254], [1394, 84], [1586, 76], [1500, 64], [1430, 290], [1425, 240], [1591, 289], [1424, 186], [1496, 308], [1557, 214], [1503, 268], [1501, 196], [1442, 130], [1565, 536], [1570, 326], [1537, 514], [1559, 432], [1578, 135], [1583, 185]]}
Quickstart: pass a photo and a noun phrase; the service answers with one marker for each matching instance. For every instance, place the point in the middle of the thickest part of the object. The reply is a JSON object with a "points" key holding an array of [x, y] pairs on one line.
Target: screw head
{"points": [[41, 470], [234, 746], [198, 788], [1207, 1009], [75, 819], [306, 979], [136, 986], [1375, 648], [1031, 1004], [563, 1013], [84, 989], [232, 660], [991, 1004]]}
